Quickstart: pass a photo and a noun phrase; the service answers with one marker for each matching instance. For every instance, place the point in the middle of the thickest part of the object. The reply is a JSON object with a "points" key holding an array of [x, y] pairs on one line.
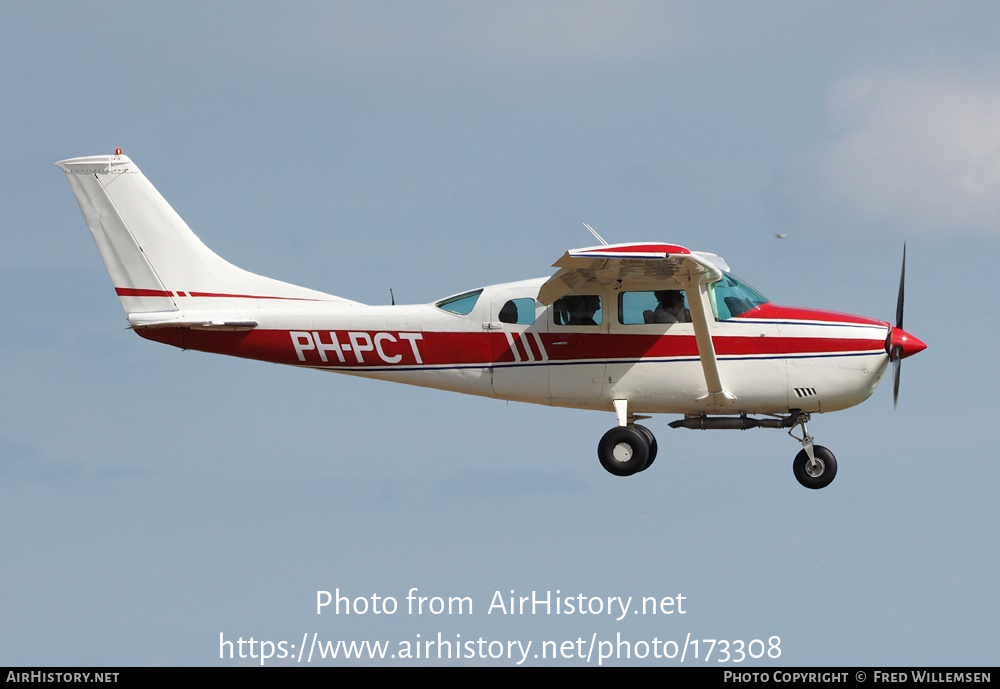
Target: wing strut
{"points": [[697, 292]]}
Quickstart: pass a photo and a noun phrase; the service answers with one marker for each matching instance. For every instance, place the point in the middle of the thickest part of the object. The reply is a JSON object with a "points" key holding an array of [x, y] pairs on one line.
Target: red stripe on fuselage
{"points": [[248, 296], [133, 292], [522, 343], [393, 349], [791, 313]]}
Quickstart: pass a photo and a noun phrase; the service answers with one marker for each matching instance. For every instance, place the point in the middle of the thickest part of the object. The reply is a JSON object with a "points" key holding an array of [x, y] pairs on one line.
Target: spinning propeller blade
{"points": [[898, 349], [900, 344], [895, 384], [899, 299]]}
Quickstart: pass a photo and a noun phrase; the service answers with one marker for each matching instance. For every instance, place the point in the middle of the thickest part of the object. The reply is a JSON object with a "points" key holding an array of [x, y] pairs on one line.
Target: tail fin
{"points": [[156, 263]]}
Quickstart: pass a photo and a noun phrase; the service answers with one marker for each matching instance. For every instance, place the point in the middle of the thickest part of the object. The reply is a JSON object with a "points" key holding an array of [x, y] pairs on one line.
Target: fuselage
{"points": [[635, 328], [772, 358]]}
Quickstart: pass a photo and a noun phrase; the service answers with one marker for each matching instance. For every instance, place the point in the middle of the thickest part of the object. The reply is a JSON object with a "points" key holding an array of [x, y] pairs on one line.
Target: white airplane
{"points": [[636, 329]]}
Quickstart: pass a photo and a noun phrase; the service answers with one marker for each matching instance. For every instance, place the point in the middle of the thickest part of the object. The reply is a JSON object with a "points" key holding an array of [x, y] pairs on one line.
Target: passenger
{"points": [[669, 307]]}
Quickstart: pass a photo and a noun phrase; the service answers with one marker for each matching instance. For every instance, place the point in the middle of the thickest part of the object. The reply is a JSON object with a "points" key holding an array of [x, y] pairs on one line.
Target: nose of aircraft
{"points": [[901, 344]]}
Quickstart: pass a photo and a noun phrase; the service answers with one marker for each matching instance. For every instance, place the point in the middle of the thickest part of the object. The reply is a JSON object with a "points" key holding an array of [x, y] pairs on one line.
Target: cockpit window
{"points": [[661, 306], [461, 304], [731, 298]]}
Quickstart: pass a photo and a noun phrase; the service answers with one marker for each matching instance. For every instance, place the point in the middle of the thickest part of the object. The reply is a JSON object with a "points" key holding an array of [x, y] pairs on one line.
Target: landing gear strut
{"points": [[814, 465]]}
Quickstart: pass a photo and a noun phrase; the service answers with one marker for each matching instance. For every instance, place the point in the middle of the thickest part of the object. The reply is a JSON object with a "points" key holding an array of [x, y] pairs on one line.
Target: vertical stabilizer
{"points": [[155, 261]]}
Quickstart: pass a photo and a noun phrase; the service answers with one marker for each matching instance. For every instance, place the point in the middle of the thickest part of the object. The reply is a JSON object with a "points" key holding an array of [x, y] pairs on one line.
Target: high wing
{"points": [[649, 266], [635, 266]]}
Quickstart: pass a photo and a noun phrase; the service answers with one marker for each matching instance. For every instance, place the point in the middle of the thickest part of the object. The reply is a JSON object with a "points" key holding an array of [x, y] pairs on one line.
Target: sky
{"points": [[158, 504]]}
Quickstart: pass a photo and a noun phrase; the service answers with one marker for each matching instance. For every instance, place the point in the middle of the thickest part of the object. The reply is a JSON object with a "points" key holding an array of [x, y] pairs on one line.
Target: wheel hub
{"points": [[815, 468], [622, 452]]}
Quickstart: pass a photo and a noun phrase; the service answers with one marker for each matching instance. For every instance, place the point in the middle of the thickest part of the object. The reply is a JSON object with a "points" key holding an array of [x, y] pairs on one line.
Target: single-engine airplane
{"points": [[637, 329]]}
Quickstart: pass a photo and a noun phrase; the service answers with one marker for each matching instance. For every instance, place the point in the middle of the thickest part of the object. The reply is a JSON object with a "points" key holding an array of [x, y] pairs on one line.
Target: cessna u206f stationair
{"points": [[635, 329]]}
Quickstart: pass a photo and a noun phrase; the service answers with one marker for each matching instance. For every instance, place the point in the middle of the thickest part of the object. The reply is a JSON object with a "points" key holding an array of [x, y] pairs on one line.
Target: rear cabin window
{"points": [[518, 312], [461, 304]]}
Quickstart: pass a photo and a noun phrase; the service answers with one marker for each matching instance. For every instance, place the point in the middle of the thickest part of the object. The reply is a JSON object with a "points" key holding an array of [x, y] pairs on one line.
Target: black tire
{"points": [[819, 476], [651, 441], [623, 451]]}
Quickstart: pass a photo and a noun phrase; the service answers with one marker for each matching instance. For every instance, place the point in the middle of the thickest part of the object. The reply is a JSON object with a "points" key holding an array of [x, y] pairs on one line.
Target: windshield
{"points": [[731, 297]]}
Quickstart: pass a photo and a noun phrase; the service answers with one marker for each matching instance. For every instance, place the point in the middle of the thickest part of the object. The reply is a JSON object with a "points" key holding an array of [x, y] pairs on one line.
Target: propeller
{"points": [[895, 355], [899, 344]]}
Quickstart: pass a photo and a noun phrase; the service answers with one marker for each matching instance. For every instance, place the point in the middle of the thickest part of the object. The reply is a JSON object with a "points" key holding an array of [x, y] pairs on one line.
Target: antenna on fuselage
{"points": [[594, 232], [392, 296]]}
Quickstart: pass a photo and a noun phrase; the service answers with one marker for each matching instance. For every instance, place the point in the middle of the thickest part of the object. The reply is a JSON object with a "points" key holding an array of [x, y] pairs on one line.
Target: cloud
{"points": [[912, 153]]}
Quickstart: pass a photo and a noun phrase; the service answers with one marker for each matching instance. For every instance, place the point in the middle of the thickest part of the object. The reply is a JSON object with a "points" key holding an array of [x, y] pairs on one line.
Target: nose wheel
{"points": [[817, 471], [814, 466]]}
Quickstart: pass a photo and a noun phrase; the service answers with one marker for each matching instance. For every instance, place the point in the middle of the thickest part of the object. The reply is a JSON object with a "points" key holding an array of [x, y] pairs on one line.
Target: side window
{"points": [[578, 309], [661, 306], [461, 304], [518, 312]]}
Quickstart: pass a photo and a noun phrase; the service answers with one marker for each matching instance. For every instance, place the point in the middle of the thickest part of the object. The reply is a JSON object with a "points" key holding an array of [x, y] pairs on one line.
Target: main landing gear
{"points": [[627, 450], [630, 448]]}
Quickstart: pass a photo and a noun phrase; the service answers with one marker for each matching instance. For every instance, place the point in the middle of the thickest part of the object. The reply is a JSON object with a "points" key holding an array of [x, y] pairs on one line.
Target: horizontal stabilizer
{"points": [[179, 319]]}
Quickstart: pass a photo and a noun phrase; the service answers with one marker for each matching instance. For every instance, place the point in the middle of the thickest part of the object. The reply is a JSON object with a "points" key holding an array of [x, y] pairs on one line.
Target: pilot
{"points": [[669, 307], [582, 309]]}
